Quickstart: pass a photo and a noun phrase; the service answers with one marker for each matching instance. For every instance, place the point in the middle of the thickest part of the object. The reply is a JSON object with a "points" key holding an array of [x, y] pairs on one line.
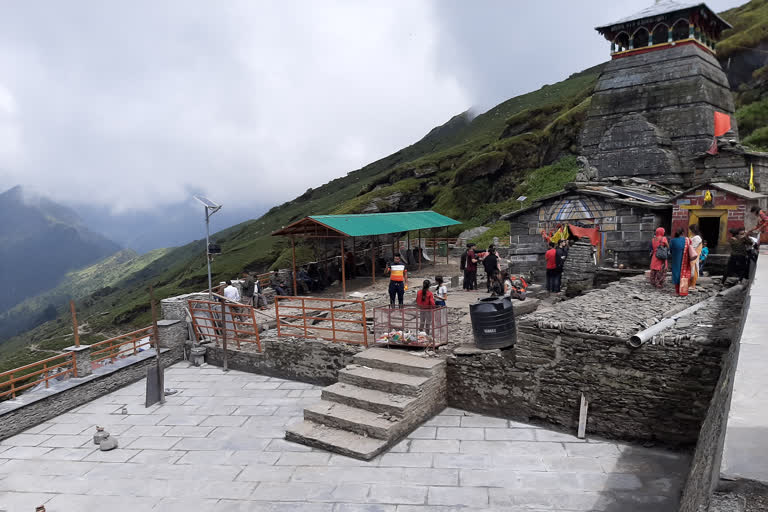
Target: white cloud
{"points": [[133, 104]]}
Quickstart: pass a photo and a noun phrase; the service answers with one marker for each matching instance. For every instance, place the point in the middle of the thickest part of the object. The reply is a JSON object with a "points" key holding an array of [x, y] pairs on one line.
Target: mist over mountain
{"points": [[40, 241], [165, 226]]}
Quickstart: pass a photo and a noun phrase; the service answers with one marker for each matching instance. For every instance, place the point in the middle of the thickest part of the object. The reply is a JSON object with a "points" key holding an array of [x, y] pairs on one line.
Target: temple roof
{"points": [[661, 8]]}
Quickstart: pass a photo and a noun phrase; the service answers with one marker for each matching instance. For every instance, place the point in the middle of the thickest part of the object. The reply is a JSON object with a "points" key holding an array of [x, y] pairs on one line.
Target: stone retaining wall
{"points": [[660, 392], [307, 360], [33, 408]]}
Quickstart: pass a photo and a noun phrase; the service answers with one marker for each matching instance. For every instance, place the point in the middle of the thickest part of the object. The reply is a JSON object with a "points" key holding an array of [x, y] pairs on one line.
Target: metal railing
{"points": [[224, 321], [337, 320], [410, 326], [121, 346], [24, 377]]}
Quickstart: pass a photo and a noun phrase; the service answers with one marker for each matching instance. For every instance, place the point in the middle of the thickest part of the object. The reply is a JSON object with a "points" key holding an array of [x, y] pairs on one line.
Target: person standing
{"points": [[737, 262], [680, 262], [491, 266], [441, 293], [231, 292], [762, 221], [696, 241], [704, 255], [554, 270], [398, 280], [471, 273], [659, 258], [249, 286], [426, 302]]}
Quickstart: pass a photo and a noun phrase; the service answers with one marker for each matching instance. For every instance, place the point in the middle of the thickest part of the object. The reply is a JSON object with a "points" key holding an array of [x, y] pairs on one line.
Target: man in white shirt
{"points": [[231, 292]]}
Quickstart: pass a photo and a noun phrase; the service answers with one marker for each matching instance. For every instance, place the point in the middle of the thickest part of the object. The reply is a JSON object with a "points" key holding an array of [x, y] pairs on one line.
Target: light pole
{"points": [[210, 209]]}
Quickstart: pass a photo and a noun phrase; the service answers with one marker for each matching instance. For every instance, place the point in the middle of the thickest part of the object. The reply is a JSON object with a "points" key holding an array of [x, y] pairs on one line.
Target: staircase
{"points": [[378, 400]]}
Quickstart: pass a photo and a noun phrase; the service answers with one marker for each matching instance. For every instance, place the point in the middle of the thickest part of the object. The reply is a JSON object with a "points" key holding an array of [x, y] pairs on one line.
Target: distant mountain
{"points": [[40, 241], [165, 226]]}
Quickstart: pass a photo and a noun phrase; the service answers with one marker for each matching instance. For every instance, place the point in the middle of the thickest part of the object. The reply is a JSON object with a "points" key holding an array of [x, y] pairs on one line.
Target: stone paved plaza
{"points": [[218, 445]]}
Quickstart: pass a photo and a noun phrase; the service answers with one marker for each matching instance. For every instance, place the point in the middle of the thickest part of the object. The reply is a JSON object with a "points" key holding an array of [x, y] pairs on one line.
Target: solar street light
{"points": [[521, 199], [210, 208]]}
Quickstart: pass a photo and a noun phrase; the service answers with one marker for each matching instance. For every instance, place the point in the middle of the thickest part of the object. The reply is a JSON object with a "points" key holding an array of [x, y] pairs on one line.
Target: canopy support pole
{"points": [[343, 274], [447, 249], [408, 253], [373, 260], [293, 265], [419, 250]]}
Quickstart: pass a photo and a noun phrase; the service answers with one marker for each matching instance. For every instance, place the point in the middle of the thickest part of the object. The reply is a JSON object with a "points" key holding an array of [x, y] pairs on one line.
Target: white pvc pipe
{"points": [[641, 337]]}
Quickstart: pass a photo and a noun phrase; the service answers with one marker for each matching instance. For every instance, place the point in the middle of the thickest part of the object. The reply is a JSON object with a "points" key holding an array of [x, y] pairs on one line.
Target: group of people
{"points": [[685, 256], [253, 292], [555, 258], [497, 283]]}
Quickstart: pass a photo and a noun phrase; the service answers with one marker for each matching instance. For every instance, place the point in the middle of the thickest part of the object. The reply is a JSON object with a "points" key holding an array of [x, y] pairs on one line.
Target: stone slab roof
{"points": [[660, 8]]}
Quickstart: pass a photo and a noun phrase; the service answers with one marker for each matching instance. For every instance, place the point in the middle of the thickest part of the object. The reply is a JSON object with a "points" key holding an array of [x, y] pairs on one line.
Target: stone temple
{"points": [[649, 153], [653, 107]]}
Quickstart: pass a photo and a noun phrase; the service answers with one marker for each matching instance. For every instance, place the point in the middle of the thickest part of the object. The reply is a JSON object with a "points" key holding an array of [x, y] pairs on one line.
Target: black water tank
{"points": [[493, 323]]}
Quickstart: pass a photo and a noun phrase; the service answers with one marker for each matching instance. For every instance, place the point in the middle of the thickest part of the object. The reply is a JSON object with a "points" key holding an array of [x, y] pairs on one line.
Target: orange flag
{"points": [[722, 124]]}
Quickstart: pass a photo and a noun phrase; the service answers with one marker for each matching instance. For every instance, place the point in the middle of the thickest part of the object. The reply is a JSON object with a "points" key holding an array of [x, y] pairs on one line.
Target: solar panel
{"points": [[207, 202], [637, 195]]}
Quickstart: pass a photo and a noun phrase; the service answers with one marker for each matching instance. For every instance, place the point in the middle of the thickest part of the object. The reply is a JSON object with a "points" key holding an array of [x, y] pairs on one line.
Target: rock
{"points": [[473, 233]]}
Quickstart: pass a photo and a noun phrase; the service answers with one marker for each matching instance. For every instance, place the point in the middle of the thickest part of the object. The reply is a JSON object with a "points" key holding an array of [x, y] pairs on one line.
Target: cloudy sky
{"points": [[135, 104]]}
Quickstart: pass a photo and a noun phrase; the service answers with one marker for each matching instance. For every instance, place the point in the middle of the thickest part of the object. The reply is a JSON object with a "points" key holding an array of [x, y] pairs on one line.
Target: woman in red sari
{"points": [[658, 267], [680, 261]]}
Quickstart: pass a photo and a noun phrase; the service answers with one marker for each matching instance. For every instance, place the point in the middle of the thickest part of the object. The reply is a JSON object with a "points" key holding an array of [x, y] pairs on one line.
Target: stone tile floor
{"points": [[217, 446]]}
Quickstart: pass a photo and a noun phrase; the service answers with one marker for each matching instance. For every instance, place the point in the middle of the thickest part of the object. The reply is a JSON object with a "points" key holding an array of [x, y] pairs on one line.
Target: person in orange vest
{"points": [[398, 280]]}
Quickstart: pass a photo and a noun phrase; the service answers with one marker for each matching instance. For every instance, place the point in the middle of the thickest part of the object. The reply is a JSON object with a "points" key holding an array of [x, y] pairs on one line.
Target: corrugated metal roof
{"points": [[659, 8], [368, 224], [738, 191]]}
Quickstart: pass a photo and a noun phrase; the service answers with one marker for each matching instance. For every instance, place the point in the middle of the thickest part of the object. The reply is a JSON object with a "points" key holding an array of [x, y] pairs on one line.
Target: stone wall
{"points": [[731, 165], [579, 269], [652, 112], [705, 466], [306, 360], [659, 392], [33, 408], [627, 231]]}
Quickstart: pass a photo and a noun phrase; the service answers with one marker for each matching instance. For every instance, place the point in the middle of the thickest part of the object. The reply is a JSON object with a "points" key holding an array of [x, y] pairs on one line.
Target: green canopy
{"points": [[366, 224]]}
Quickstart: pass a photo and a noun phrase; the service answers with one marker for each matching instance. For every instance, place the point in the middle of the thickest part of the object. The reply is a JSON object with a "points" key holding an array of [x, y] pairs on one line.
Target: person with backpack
{"points": [[659, 258], [426, 302]]}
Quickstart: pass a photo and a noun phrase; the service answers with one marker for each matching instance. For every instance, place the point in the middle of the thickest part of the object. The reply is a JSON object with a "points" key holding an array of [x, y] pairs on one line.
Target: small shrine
{"points": [[667, 23]]}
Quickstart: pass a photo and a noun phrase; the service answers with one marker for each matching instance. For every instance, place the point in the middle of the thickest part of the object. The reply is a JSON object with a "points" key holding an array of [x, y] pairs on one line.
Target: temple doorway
{"points": [[710, 231]]}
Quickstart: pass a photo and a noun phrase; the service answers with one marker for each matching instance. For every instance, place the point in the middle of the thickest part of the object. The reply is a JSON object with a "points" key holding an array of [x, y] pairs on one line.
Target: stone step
{"points": [[353, 419], [368, 399], [383, 380], [394, 360], [335, 440]]}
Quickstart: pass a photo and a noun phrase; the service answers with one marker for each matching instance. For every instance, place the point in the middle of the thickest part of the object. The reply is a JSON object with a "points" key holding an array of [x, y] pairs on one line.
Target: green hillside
{"points": [[471, 169], [744, 53]]}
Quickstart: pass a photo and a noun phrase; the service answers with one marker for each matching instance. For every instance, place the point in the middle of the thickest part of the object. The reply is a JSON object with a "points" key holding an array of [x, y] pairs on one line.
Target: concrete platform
{"points": [[218, 446], [746, 437]]}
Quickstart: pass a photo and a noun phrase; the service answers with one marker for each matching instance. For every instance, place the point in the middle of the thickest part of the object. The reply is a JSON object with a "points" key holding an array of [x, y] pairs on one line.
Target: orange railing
{"points": [[24, 377], [337, 320], [121, 346], [219, 320]]}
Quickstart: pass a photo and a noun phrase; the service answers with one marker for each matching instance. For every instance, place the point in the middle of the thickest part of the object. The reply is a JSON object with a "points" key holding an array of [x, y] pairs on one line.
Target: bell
{"points": [[41, 508], [100, 435]]}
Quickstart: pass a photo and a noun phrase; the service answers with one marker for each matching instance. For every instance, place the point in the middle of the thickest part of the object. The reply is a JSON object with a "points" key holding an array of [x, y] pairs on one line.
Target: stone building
{"points": [[653, 107], [648, 138], [625, 218]]}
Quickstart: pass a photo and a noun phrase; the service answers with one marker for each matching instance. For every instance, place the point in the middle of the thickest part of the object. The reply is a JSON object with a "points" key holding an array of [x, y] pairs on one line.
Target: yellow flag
{"points": [[751, 177]]}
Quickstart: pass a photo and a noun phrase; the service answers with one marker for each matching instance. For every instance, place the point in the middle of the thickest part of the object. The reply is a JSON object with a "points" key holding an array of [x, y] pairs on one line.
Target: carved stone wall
{"points": [[653, 112]]}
